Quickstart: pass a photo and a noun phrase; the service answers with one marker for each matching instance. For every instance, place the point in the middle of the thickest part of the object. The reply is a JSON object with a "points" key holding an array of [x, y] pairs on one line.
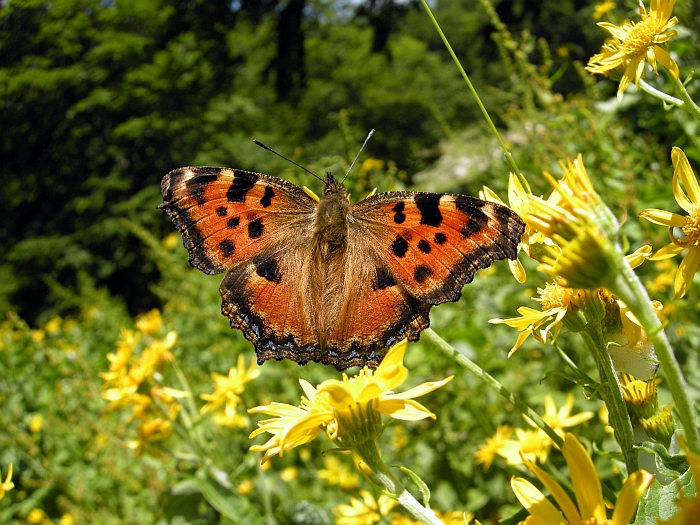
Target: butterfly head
{"points": [[333, 187]]}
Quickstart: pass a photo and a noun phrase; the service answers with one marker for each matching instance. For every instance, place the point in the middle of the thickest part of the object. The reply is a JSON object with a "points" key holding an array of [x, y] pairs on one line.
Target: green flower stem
{"points": [[644, 86], [494, 384], [611, 393], [689, 104], [369, 453], [492, 126], [629, 289]]}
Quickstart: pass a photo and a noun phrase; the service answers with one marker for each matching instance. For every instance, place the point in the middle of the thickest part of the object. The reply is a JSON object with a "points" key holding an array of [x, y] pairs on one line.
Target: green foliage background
{"points": [[99, 99]]}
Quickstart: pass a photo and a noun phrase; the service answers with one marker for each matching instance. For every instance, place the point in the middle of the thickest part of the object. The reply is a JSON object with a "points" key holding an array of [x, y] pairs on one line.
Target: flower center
{"points": [[554, 296], [692, 227], [640, 37]]}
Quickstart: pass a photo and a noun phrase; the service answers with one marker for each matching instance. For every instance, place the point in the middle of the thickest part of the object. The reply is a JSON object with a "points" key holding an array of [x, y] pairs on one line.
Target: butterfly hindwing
{"points": [[434, 243], [227, 216]]}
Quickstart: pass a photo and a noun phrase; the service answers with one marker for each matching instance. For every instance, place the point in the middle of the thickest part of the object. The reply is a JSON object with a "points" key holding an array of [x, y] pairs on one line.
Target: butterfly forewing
{"points": [[228, 216], [433, 244]]}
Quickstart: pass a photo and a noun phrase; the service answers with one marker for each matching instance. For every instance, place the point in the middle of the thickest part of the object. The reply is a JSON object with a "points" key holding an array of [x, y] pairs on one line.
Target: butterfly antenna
{"points": [[258, 143], [371, 132]]}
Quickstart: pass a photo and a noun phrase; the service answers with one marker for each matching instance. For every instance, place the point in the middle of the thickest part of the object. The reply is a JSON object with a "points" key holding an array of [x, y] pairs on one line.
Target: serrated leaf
{"points": [[659, 500], [234, 506]]}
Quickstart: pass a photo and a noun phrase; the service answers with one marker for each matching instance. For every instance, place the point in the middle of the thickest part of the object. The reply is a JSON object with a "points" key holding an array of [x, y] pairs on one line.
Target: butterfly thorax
{"points": [[331, 223]]}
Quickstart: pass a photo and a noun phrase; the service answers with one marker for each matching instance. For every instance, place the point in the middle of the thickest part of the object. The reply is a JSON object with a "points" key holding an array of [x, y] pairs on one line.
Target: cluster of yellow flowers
{"points": [[226, 396], [132, 379], [531, 444]]}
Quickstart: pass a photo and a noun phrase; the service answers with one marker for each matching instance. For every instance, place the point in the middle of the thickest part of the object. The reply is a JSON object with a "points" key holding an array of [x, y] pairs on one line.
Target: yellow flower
{"points": [[245, 487], [587, 488], [454, 517], [690, 224], [562, 418], [36, 516], [289, 474], [634, 43], [555, 300], [535, 444], [36, 423], [7, 485], [600, 10], [149, 322], [349, 410], [364, 512], [531, 444], [336, 473], [154, 430], [228, 388], [487, 453], [66, 519], [119, 360]]}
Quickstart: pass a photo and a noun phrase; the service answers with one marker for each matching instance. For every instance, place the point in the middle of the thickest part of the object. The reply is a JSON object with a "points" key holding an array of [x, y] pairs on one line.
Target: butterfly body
{"points": [[331, 281]]}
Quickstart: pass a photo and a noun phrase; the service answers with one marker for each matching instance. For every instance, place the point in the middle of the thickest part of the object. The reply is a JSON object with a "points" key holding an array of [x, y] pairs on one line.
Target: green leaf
{"points": [[235, 507], [659, 500], [424, 490], [671, 465]]}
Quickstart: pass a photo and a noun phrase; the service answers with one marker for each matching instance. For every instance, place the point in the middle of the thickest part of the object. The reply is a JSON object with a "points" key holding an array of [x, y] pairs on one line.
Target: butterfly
{"points": [[327, 280]]}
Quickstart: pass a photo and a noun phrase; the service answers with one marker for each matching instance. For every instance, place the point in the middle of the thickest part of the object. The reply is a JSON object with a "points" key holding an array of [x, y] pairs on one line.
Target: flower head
{"points": [[689, 225], [365, 511], [587, 488], [228, 388], [349, 410], [556, 300], [488, 452], [634, 44]]}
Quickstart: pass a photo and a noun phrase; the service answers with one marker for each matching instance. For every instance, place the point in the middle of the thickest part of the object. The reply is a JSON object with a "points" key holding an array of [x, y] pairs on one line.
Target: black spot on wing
{"points": [[227, 248], [383, 279], [241, 185], [268, 268], [429, 206], [255, 229], [233, 222], [399, 215], [421, 273], [267, 197], [221, 211], [399, 247], [424, 246], [440, 238]]}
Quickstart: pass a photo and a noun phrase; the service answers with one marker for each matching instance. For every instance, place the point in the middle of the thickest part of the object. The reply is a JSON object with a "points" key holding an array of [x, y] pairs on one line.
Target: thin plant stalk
{"points": [[369, 453], [630, 290], [484, 112]]}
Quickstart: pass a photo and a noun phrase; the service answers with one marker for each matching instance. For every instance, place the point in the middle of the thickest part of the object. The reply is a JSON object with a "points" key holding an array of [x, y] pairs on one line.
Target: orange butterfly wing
{"points": [[433, 244], [227, 216]]}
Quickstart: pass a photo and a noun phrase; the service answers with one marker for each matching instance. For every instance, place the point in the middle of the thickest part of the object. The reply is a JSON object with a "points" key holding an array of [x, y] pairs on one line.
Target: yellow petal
{"points": [[404, 409], [668, 251], [584, 478], [664, 218], [632, 490], [558, 493], [665, 60], [534, 501], [686, 272], [683, 172], [518, 271], [419, 390]]}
